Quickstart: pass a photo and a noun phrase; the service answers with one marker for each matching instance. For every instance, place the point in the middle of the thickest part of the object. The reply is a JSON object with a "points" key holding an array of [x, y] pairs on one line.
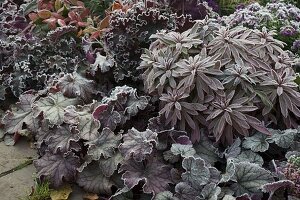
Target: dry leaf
{"points": [[62, 193], [90, 196]]}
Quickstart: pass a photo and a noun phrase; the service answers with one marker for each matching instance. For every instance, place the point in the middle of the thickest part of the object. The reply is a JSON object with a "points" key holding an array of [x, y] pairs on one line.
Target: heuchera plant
{"points": [[214, 104]]}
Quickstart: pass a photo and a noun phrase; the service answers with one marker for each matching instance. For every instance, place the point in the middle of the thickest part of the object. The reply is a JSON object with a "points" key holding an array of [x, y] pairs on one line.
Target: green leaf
{"points": [[183, 150], [249, 178], [256, 143], [249, 156], [165, 196], [211, 191], [284, 138], [196, 173]]}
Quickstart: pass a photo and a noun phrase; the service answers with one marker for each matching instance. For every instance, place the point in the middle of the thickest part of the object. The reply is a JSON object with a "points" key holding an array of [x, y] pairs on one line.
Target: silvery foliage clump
{"points": [[229, 80], [282, 17]]}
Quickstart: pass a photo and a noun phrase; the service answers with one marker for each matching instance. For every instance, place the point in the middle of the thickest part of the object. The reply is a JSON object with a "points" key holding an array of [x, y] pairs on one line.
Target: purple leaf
{"points": [[155, 174], [138, 144], [57, 168]]}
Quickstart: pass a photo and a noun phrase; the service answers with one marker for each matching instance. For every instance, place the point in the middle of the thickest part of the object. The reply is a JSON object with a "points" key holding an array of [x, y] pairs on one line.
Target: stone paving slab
{"points": [[17, 184]]}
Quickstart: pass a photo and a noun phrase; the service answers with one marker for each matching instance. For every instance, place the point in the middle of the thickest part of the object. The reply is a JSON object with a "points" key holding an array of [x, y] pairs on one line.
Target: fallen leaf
{"points": [[62, 193], [90, 196]]}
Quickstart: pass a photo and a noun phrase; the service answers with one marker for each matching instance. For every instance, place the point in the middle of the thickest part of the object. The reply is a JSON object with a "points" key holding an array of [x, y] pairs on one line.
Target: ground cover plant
{"points": [[150, 99]]}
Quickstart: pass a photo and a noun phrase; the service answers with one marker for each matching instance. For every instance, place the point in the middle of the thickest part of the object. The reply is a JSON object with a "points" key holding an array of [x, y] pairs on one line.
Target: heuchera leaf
{"points": [[104, 144], [249, 156], [274, 186], [256, 143], [284, 138], [210, 191], [53, 107], [155, 174], [186, 192], [196, 173], [183, 150], [166, 195], [14, 120], [57, 168], [138, 144], [109, 165], [83, 118], [206, 150], [61, 138], [93, 180], [74, 85], [233, 150], [249, 178]]}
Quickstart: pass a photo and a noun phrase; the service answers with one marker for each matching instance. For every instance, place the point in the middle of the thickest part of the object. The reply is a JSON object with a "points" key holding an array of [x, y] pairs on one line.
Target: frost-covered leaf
{"points": [[93, 180], [206, 150], [249, 178], [229, 173], [284, 138], [155, 174], [234, 150], [83, 118], [57, 168], [185, 192], [102, 63], [256, 143], [138, 144], [53, 107], [166, 195], [9, 140], [228, 197], [183, 150], [74, 85], [210, 192], [14, 120], [274, 186], [196, 173], [109, 165], [104, 144], [170, 157], [249, 156], [61, 139]]}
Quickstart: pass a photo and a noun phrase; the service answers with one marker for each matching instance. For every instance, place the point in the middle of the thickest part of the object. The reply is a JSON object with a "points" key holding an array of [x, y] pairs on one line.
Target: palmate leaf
{"points": [[166, 195], [274, 186], [62, 138], [210, 192], [183, 150], [74, 85], [104, 144], [53, 107], [249, 156], [186, 192], [138, 144], [256, 143], [249, 178], [84, 120], [155, 174], [206, 150], [109, 165], [57, 168], [197, 174], [284, 138], [93, 180], [14, 120]]}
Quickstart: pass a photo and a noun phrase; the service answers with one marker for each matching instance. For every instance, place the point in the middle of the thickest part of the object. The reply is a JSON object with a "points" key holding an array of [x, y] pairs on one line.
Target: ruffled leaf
{"points": [[53, 107], [104, 144], [138, 144], [57, 168]]}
